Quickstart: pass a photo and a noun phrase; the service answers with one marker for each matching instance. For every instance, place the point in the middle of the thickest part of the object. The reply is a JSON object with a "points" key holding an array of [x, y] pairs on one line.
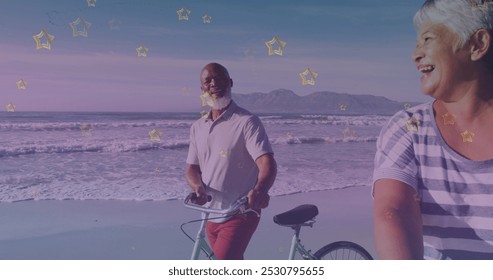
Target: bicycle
{"points": [[296, 218], [304, 215]]}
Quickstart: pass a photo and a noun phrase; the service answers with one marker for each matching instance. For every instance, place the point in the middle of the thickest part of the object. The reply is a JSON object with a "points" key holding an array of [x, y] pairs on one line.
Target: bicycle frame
{"points": [[297, 247], [200, 241]]}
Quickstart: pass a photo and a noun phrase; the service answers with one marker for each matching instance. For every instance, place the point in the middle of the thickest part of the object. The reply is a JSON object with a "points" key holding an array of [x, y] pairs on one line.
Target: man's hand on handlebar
{"points": [[258, 199], [199, 196]]}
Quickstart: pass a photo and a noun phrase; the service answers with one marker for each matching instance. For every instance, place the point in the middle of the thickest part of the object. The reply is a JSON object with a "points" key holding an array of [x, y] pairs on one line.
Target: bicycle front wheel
{"points": [[343, 250]]}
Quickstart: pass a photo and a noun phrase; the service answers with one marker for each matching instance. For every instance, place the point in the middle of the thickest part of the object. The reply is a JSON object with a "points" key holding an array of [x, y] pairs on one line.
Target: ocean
{"points": [[141, 156]]}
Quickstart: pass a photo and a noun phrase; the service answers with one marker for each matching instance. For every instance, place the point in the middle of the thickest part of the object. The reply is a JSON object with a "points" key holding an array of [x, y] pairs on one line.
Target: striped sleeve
{"points": [[395, 157]]}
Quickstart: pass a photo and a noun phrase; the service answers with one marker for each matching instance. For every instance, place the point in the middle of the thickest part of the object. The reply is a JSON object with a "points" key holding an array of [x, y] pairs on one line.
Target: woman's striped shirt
{"points": [[456, 194]]}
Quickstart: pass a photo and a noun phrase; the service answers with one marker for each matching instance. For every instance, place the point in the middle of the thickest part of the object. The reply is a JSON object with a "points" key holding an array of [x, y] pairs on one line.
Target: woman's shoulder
{"points": [[412, 118], [420, 111], [412, 125]]}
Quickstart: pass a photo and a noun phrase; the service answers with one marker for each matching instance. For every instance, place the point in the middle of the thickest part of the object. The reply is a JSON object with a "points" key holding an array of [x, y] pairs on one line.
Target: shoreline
{"points": [[150, 230]]}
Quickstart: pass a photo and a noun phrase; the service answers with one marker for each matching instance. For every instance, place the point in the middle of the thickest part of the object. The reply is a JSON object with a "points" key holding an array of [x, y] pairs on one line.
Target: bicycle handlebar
{"points": [[232, 209]]}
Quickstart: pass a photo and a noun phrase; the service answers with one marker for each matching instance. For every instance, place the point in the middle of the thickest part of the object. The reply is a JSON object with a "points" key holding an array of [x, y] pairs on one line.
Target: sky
{"points": [[355, 46]]}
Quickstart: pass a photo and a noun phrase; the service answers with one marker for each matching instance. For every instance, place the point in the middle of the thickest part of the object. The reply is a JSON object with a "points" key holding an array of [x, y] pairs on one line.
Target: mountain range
{"points": [[321, 102]]}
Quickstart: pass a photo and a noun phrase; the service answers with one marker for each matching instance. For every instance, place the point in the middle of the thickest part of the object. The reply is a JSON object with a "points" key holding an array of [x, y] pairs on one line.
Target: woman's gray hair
{"points": [[463, 17]]}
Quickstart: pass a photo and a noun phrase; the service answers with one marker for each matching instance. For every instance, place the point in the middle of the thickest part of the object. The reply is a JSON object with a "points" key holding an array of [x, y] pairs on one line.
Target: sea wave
{"points": [[116, 146], [320, 140], [330, 120], [74, 126], [75, 147]]}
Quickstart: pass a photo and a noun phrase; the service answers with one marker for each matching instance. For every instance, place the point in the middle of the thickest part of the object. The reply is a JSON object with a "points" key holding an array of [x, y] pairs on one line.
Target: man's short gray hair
{"points": [[463, 17]]}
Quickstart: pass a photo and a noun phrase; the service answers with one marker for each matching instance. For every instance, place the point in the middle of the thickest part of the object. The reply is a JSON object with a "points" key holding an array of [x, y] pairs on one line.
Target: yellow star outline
{"points": [[21, 84], [207, 99], [85, 27], [349, 134], [185, 91], [448, 119], [91, 3], [206, 19], [10, 107], [86, 129], [142, 51], [343, 107], [204, 114], [308, 72], [35, 193], [412, 124], [114, 24], [249, 54], [183, 14], [223, 154], [467, 136], [270, 44], [155, 135], [407, 106], [49, 38]]}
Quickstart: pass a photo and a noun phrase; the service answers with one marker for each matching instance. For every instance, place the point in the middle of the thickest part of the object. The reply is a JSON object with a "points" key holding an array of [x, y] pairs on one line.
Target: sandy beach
{"points": [[113, 229]]}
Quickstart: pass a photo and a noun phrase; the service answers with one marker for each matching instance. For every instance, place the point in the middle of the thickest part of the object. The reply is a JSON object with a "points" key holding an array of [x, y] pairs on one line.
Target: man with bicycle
{"points": [[229, 157]]}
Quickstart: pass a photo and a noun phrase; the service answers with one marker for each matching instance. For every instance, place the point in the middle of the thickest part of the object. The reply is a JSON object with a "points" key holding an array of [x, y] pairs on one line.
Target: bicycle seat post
{"points": [[294, 241]]}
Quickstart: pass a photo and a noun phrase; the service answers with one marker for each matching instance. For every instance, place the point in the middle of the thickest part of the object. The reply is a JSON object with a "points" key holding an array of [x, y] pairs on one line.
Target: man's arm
{"points": [[398, 224], [194, 180], [258, 197]]}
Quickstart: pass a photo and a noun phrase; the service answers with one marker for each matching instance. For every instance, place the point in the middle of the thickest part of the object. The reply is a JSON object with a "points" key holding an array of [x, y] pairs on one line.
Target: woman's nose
{"points": [[417, 54]]}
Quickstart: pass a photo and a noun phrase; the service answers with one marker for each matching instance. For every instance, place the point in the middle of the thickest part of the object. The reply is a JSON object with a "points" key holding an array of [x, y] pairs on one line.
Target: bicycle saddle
{"points": [[297, 215]]}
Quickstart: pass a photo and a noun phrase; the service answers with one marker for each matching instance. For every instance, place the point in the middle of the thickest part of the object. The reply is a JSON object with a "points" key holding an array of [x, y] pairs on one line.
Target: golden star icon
{"points": [[412, 124], [206, 19], [448, 119], [349, 134], [85, 27], [249, 54], [467, 136], [308, 72], [270, 44], [114, 24], [185, 91], [223, 154], [155, 135], [49, 38], [21, 84], [207, 99], [343, 107], [142, 51], [91, 3], [183, 14], [204, 114], [10, 107], [86, 129]]}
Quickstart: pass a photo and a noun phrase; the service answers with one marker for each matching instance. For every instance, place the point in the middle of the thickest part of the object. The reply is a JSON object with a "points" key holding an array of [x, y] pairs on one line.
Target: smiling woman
{"points": [[432, 184]]}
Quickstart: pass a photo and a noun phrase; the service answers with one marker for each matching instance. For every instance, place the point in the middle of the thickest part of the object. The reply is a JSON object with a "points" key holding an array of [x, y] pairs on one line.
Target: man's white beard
{"points": [[220, 103]]}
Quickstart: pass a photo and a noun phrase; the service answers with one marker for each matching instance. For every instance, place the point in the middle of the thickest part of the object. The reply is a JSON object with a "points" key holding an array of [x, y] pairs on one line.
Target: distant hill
{"points": [[322, 102]]}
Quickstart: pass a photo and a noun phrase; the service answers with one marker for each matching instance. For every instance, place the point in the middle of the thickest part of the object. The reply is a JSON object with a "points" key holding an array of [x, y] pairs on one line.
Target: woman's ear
{"points": [[480, 44]]}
